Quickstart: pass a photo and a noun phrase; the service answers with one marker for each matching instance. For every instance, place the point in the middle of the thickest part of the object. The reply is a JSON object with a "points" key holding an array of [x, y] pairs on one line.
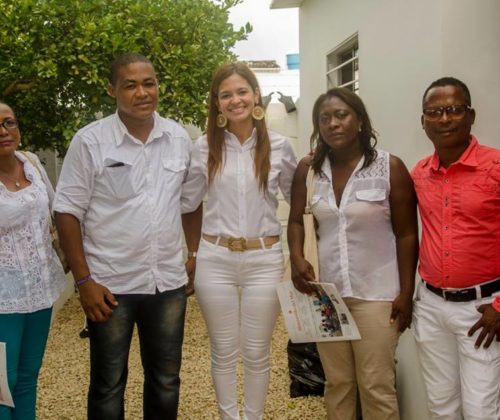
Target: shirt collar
{"points": [[247, 144], [468, 158], [120, 131]]}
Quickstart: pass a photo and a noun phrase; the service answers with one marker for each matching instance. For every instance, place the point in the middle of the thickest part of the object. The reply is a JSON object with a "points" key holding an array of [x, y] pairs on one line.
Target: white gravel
{"points": [[63, 382]]}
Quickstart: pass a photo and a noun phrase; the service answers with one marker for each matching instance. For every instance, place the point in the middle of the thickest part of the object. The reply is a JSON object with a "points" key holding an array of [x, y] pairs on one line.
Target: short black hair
{"points": [[449, 81], [124, 60]]}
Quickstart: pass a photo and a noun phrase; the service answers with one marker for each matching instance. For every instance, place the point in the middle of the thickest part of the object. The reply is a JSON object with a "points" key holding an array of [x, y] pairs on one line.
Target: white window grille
{"points": [[343, 65]]}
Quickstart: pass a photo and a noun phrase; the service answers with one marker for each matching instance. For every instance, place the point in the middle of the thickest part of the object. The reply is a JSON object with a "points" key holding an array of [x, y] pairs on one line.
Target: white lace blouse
{"points": [[31, 276]]}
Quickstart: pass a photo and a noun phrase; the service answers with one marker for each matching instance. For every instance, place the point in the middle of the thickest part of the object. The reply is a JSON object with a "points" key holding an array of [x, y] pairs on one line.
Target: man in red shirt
{"points": [[458, 190]]}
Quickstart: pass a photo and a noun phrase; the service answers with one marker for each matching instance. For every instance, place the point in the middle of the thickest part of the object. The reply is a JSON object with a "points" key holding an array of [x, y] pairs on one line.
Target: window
{"points": [[343, 65]]}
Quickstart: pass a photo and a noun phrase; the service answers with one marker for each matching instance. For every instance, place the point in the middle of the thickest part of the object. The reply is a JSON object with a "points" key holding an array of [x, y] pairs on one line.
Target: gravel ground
{"points": [[63, 382]]}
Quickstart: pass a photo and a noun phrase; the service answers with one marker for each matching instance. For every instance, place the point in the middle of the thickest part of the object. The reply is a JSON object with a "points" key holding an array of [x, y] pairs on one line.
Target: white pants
{"points": [[461, 381], [237, 296]]}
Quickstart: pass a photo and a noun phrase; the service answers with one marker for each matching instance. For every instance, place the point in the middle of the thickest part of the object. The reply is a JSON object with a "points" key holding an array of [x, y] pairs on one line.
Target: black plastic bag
{"points": [[306, 373]]}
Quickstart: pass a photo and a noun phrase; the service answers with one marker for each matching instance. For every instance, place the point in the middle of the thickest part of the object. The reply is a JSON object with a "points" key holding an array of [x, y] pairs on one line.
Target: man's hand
{"points": [[302, 275], [489, 324], [97, 301], [402, 308], [191, 271]]}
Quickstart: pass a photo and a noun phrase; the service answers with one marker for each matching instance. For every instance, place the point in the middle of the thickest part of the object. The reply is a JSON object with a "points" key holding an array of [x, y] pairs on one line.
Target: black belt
{"points": [[465, 295]]}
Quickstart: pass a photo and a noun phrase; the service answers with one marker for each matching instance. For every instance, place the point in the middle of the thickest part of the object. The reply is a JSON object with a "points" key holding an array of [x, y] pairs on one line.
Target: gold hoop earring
{"points": [[258, 113], [221, 120]]}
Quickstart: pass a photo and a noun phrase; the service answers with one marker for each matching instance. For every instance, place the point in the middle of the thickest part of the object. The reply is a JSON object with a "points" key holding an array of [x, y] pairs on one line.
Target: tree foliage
{"points": [[55, 54]]}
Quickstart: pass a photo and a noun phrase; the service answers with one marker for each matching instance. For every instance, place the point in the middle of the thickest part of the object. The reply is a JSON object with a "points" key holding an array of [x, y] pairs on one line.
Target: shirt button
{"points": [[446, 228], [446, 181], [446, 253], [447, 277]]}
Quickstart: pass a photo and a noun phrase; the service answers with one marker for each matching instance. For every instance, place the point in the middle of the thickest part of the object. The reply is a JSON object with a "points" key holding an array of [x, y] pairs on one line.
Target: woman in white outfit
{"points": [[242, 166]]}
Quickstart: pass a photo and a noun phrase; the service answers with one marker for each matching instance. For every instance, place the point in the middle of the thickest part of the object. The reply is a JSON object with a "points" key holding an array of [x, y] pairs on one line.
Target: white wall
{"points": [[471, 51], [403, 46]]}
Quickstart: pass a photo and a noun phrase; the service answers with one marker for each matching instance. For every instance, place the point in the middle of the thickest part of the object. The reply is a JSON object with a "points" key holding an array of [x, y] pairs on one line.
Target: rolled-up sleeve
{"points": [[288, 165], [76, 180], [195, 185]]}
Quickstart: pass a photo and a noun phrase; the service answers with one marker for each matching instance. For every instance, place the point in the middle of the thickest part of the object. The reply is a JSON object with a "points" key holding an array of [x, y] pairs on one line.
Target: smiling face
{"points": [[236, 100], [136, 93], [447, 132], [338, 124], [9, 138]]}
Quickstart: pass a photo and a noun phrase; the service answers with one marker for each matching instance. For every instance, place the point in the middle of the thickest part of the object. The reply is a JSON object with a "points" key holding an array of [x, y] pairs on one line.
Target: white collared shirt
{"points": [[235, 205], [31, 276], [356, 245], [126, 195]]}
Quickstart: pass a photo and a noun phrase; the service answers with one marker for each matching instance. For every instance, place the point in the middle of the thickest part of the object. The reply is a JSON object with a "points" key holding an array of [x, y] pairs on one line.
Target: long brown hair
{"points": [[367, 135], [215, 135]]}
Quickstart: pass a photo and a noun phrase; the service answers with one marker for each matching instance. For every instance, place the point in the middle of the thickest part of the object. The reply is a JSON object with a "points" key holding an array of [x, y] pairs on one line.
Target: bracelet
{"points": [[192, 254], [83, 280], [496, 304]]}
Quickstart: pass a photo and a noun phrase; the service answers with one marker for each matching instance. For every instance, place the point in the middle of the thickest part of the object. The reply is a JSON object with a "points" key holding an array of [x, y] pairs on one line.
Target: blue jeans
{"points": [[160, 324], [26, 337]]}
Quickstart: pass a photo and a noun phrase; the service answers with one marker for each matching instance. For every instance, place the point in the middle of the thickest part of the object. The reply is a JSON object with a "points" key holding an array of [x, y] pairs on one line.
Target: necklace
{"points": [[16, 180]]}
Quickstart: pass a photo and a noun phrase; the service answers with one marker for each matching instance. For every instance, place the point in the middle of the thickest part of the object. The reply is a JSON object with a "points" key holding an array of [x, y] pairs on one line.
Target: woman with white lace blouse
{"points": [[242, 166], [31, 276], [365, 208]]}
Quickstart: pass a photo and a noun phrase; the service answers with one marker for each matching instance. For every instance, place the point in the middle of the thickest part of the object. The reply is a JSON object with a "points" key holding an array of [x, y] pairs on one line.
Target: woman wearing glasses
{"points": [[31, 276], [365, 208], [242, 166]]}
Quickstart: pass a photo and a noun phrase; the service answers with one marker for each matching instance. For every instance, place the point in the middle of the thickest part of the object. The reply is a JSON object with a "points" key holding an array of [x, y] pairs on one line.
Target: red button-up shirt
{"points": [[460, 213]]}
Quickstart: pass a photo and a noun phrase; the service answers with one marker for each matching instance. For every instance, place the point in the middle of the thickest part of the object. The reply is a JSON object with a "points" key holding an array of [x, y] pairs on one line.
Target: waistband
{"points": [[242, 244], [466, 295]]}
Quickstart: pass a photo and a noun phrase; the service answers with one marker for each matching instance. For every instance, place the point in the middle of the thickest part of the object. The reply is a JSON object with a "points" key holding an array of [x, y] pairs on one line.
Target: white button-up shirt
{"points": [[127, 196], [235, 205], [357, 246]]}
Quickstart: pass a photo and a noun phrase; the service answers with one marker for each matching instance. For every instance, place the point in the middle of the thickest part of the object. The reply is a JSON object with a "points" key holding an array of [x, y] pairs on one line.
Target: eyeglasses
{"points": [[9, 124], [454, 112]]}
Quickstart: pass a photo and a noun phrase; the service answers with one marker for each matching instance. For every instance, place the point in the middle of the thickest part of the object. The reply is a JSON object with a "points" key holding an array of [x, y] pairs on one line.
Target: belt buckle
{"points": [[459, 295], [237, 244]]}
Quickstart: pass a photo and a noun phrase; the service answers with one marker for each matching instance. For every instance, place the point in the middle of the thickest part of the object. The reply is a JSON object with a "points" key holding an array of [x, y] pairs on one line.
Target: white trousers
{"points": [[461, 381], [237, 296]]}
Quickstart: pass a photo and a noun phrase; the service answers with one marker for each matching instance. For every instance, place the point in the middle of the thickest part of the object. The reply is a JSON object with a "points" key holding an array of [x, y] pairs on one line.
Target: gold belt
{"points": [[242, 244]]}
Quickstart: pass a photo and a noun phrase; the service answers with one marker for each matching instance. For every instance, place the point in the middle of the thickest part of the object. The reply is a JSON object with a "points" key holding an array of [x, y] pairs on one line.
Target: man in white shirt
{"points": [[118, 213]]}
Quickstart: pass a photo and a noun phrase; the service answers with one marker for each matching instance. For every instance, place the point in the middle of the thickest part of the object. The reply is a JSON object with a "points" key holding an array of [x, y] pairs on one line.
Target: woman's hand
{"points": [[191, 271], [402, 308], [302, 275]]}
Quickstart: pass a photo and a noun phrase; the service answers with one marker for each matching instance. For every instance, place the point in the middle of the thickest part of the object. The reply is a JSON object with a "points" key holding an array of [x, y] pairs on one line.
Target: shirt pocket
{"points": [[480, 199], [428, 195], [175, 170], [371, 195], [120, 180]]}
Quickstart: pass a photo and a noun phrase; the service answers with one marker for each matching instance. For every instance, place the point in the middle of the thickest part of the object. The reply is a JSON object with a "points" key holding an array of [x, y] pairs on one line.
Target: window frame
{"points": [[335, 64]]}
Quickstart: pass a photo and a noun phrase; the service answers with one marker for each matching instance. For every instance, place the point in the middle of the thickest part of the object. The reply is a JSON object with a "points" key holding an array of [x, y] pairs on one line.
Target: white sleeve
{"points": [[76, 181], [195, 185], [288, 165]]}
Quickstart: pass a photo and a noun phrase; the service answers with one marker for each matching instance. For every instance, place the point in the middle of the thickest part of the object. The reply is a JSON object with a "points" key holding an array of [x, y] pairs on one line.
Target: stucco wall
{"points": [[403, 46]]}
